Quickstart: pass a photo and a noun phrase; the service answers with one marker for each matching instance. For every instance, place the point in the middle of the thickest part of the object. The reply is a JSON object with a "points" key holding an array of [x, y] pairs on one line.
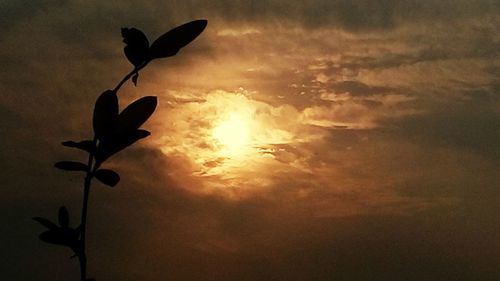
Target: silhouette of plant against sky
{"points": [[114, 131]]}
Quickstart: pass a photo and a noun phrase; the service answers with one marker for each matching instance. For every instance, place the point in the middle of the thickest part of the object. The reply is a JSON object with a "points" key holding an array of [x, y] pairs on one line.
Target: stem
{"points": [[82, 256], [91, 168], [129, 75]]}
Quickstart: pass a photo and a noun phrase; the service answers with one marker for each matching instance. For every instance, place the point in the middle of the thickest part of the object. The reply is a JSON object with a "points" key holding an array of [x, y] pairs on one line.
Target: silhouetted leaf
{"points": [[137, 46], [108, 148], [61, 236], [63, 217], [86, 145], [45, 222], [108, 177], [105, 114], [134, 115], [134, 78], [70, 166], [171, 42], [52, 237]]}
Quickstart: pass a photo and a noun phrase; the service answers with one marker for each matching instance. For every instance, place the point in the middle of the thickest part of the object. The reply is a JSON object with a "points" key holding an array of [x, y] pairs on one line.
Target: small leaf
{"points": [[171, 42], [63, 217], [108, 148], [52, 237], [71, 166], [108, 177], [45, 222], [134, 78], [86, 145], [134, 115], [105, 114], [61, 236], [137, 46]]}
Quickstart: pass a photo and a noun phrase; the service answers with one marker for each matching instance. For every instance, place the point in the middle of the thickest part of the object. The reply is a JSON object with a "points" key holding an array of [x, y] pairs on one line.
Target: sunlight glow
{"points": [[233, 134], [227, 136]]}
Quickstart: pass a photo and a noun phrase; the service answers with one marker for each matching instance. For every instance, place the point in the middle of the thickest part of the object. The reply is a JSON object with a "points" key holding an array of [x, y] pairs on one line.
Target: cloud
{"points": [[355, 88], [469, 126]]}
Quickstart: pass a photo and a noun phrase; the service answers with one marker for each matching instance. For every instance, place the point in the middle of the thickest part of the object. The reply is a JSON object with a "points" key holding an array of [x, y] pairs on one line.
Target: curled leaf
{"points": [[137, 46], [171, 42], [134, 78], [86, 145], [70, 166], [45, 222], [63, 217], [108, 177], [134, 115], [105, 114]]}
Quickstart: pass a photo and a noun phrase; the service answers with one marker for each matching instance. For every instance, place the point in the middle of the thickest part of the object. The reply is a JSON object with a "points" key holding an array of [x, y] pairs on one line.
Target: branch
{"points": [[129, 75]]}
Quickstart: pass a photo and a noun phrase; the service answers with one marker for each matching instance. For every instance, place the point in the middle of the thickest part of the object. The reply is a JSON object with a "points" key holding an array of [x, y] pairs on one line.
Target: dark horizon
{"points": [[320, 140]]}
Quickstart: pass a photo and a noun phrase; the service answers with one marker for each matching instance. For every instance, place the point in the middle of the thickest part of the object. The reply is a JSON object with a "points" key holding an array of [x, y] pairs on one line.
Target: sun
{"points": [[233, 134]]}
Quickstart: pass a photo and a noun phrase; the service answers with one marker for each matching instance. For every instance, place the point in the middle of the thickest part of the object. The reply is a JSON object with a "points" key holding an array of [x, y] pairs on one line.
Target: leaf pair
{"points": [[108, 123], [138, 51], [106, 176], [61, 234], [115, 131]]}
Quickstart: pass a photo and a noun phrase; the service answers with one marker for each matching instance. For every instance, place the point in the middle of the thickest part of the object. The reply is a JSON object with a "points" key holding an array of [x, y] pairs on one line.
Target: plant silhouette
{"points": [[114, 131]]}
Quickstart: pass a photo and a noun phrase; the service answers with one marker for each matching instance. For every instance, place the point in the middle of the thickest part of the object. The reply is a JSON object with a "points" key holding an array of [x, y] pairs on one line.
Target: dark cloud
{"points": [[362, 15], [170, 232], [470, 126], [357, 89], [14, 11]]}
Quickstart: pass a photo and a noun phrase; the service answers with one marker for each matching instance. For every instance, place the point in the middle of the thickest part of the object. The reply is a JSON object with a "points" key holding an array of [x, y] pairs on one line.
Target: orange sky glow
{"points": [[293, 140]]}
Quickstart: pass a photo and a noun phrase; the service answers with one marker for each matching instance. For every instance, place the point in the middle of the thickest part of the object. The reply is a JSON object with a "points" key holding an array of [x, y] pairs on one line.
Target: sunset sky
{"points": [[293, 140]]}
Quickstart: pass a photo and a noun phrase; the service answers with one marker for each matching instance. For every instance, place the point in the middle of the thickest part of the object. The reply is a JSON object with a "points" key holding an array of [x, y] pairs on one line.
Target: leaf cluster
{"points": [[114, 130], [61, 234], [140, 53]]}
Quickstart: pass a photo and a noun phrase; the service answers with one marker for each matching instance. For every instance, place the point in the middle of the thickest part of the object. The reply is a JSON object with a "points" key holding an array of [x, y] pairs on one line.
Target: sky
{"points": [[293, 140]]}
